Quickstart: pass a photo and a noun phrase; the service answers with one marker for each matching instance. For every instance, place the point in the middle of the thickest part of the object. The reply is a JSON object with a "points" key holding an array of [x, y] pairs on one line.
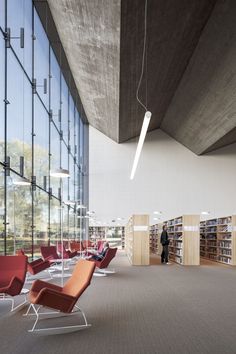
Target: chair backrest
{"points": [[12, 266], [76, 246], [80, 279], [61, 249], [100, 245], [49, 251], [20, 252], [87, 243], [110, 254]]}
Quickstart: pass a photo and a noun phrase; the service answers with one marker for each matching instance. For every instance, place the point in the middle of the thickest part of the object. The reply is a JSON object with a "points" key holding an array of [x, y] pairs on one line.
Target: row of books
{"points": [[225, 252], [225, 259], [226, 220], [225, 244]]}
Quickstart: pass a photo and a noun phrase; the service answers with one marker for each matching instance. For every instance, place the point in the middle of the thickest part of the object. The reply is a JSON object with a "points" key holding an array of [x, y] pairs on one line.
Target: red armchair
{"points": [[12, 277], [104, 263], [66, 253], [36, 266], [49, 253], [76, 246], [87, 244], [61, 299]]}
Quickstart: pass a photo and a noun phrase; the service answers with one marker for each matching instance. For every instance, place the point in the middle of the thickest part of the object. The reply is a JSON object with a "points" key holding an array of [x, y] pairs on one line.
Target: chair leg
{"points": [[5, 297], [59, 329], [105, 270], [31, 278]]}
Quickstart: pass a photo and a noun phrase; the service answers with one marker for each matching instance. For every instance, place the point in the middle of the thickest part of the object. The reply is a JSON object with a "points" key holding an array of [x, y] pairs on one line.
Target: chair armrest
{"points": [[15, 286], [49, 258], [55, 299], [36, 261], [39, 284], [35, 269]]}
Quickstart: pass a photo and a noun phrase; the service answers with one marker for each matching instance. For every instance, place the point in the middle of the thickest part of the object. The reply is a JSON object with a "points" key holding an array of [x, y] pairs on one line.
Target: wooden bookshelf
{"points": [[113, 234], [184, 239], [123, 238], [218, 239], [137, 240], [154, 238]]}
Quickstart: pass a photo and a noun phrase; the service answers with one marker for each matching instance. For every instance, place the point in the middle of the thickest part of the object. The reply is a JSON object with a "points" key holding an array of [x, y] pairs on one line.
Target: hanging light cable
{"points": [[148, 114]]}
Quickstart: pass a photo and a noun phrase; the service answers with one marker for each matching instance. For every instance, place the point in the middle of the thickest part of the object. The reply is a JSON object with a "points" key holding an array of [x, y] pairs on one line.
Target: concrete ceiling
{"points": [[189, 79], [90, 34]]}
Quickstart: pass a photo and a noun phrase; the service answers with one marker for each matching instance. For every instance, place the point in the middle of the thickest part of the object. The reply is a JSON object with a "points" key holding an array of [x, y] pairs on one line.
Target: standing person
{"points": [[165, 245]]}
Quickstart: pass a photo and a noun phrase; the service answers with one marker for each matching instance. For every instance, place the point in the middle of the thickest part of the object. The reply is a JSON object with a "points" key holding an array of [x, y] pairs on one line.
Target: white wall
{"points": [[169, 178]]}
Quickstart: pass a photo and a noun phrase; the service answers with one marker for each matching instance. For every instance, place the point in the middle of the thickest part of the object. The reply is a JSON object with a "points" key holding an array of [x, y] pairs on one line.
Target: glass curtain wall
{"points": [[40, 130]]}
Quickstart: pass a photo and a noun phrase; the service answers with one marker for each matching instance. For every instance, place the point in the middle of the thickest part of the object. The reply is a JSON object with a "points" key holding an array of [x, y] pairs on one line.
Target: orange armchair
{"points": [[62, 299]]}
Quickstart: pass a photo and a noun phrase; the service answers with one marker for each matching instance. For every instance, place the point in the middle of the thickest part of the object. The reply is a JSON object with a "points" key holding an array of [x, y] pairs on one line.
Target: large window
{"points": [[40, 131], [41, 220], [2, 208], [19, 116], [41, 144], [2, 14], [64, 110], [41, 60], [22, 20], [2, 95], [55, 89], [19, 216]]}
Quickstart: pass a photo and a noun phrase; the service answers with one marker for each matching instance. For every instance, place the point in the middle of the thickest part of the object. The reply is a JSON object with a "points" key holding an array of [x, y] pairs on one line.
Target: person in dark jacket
{"points": [[165, 245]]}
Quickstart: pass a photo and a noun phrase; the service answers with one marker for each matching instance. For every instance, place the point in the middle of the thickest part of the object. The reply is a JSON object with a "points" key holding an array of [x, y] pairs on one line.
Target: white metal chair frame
{"points": [[55, 313], [6, 297]]}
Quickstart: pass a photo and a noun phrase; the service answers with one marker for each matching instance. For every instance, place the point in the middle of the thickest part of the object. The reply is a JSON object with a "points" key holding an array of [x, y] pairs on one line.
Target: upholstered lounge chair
{"points": [[12, 278], [36, 266], [66, 253], [76, 246], [104, 263], [49, 253], [61, 299]]}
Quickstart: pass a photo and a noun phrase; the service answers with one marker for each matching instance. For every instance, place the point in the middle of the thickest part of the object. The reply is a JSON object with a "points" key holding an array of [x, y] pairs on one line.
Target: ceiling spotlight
{"points": [[205, 212], [157, 212]]}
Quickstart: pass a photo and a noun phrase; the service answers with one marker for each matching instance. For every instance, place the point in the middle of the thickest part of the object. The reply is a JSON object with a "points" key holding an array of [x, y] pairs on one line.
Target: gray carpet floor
{"points": [[158, 309]]}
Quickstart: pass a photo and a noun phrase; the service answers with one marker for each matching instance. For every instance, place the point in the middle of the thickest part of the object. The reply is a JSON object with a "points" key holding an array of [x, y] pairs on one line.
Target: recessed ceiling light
{"points": [[157, 212], [205, 212]]}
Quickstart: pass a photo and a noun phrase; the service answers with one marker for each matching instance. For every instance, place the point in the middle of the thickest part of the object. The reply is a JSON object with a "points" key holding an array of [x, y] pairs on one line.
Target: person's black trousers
{"points": [[164, 254]]}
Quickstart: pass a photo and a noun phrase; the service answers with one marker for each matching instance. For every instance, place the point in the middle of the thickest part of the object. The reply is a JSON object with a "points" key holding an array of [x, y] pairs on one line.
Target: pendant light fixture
{"points": [[60, 173], [148, 114], [21, 181]]}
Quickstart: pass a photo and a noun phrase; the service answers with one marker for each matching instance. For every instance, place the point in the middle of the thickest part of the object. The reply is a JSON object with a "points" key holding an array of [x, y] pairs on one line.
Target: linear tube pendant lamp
{"points": [[80, 206], [22, 181], [60, 173], [142, 136], [148, 114]]}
